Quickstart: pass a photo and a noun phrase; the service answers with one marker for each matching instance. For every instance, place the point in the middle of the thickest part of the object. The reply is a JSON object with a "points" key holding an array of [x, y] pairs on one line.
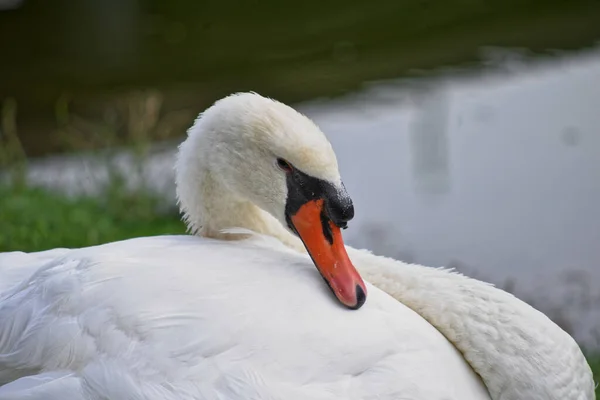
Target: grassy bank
{"points": [[594, 361], [36, 219]]}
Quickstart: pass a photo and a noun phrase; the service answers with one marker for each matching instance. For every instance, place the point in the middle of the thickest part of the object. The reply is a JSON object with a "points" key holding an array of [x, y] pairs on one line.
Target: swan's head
{"points": [[266, 153]]}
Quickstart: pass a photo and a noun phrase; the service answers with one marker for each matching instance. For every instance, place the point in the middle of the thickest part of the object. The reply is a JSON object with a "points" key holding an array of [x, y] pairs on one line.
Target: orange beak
{"points": [[323, 241]]}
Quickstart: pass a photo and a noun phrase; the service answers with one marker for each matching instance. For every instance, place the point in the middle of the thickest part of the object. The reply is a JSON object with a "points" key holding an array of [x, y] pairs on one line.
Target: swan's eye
{"points": [[284, 165]]}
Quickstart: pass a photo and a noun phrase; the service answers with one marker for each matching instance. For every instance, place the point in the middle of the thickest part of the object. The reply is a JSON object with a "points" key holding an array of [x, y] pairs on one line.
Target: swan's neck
{"points": [[219, 210], [518, 352]]}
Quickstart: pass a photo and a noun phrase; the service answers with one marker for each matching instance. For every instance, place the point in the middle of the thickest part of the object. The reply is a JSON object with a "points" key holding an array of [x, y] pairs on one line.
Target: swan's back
{"points": [[190, 318]]}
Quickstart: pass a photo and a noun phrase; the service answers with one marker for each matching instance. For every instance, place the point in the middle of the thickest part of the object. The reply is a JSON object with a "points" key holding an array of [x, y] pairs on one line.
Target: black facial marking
{"points": [[302, 188]]}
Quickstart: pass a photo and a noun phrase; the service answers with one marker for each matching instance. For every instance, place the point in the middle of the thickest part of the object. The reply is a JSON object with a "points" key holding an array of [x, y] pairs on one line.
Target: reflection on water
{"points": [[497, 174], [428, 142]]}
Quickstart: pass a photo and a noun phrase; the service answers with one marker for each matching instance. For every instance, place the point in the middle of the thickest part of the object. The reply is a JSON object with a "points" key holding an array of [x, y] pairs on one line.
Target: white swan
{"points": [[238, 311]]}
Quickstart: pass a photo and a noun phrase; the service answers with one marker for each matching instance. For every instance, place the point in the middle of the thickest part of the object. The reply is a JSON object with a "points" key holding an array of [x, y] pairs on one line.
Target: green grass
{"points": [[594, 361], [37, 219]]}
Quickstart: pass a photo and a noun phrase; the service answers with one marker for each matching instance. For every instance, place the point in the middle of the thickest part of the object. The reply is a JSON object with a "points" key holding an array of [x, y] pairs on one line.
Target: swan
{"points": [[237, 310]]}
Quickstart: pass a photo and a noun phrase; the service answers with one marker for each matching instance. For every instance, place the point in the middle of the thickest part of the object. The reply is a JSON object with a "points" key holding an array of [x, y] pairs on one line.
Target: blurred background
{"points": [[467, 131]]}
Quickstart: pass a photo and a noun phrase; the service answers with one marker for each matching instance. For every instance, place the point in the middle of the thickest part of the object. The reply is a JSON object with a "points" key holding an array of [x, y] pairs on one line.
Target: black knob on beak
{"points": [[338, 206]]}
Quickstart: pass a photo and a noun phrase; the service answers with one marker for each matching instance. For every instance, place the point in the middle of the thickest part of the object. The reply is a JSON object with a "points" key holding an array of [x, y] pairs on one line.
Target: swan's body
{"points": [[129, 323], [243, 315]]}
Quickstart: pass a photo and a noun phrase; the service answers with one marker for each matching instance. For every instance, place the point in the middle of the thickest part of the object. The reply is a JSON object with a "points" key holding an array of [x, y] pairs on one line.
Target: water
{"points": [[495, 172]]}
